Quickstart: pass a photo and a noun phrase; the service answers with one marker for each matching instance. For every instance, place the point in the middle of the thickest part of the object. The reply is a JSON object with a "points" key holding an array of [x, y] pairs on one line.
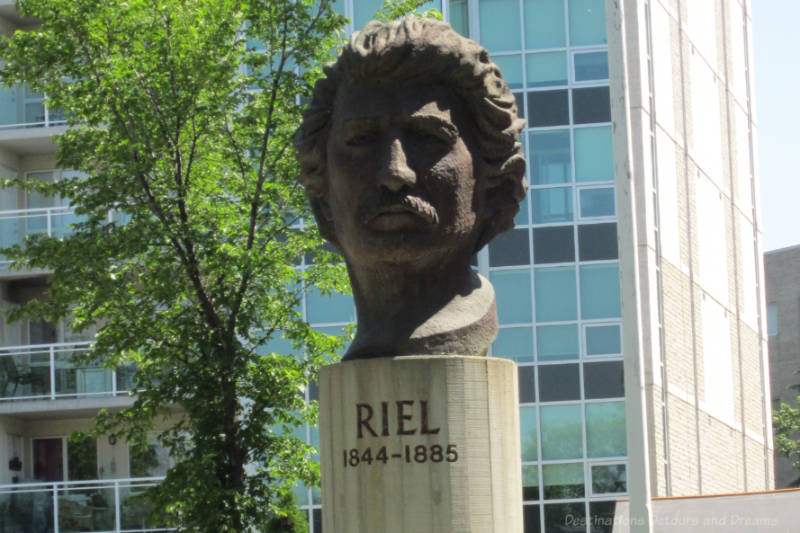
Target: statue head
{"points": [[423, 115]]}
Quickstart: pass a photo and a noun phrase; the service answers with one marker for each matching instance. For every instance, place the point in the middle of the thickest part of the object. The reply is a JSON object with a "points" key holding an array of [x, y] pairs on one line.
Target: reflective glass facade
{"points": [[556, 274]]}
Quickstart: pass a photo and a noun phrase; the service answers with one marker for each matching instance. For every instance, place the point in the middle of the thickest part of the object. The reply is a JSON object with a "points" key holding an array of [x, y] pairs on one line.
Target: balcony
{"points": [[26, 123], [17, 224], [46, 372], [76, 507]]}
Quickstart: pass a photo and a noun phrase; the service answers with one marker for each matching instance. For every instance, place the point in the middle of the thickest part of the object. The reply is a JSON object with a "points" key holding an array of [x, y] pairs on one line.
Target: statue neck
{"points": [[447, 311]]}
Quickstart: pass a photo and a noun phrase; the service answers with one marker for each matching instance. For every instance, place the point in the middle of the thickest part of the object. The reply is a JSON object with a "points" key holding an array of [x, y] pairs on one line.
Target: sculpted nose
{"points": [[395, 172]]}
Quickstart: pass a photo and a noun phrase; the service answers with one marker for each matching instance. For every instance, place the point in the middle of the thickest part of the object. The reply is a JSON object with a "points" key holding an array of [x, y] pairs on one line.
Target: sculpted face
{"points": [[401, 183]]}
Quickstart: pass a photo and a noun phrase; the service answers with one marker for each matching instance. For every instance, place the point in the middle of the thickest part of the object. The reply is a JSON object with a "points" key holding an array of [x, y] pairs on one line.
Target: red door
{"points": [[48, 459]]}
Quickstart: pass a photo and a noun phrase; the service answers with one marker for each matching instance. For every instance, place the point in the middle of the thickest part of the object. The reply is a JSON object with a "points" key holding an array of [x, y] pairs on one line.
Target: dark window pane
{"points": [[603, 380], [519, 97], [510, 248], [590, 105], [597, 241], [553, 245], [548, 108], [609, 479], [558, 383], [317, 514], [566, 517], [530, 515], [601, 516], [527, 384], [313, 391]]}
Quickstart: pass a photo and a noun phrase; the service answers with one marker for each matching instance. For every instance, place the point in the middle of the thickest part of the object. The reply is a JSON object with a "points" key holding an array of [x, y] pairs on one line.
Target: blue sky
{"points": [[776, 40]]}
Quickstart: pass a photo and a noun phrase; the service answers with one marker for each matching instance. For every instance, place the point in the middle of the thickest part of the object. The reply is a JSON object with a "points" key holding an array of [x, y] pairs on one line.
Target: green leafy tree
{"points": [[786, 425], [180, 115]]}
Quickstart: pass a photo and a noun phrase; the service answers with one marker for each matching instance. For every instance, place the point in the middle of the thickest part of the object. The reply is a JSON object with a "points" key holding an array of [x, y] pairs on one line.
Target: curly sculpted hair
{"points": [[416, 50]]}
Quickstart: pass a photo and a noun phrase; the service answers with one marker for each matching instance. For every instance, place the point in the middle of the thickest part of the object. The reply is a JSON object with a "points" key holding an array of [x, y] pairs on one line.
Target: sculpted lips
{"points": [[403, 212]]}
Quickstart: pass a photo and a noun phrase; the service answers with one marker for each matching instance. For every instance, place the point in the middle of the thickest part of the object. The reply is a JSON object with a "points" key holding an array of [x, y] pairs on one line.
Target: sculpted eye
{"points": [[362, 139]]}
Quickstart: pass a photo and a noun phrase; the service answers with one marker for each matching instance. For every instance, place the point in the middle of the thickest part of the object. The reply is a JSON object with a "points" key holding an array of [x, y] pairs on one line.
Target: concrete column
{"points": [[421, 444]]}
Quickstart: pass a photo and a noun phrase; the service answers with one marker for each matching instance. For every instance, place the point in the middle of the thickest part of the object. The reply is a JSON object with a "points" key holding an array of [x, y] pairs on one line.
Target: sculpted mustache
{"points": [[400, 203]]}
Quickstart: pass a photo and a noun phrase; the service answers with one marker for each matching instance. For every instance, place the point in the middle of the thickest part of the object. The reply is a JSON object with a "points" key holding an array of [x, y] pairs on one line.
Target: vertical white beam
{"points": [[618, 13]]}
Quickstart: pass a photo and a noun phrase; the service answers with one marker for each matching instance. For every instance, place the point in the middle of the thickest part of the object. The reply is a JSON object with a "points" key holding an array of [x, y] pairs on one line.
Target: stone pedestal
{"points": [[420, 444]]}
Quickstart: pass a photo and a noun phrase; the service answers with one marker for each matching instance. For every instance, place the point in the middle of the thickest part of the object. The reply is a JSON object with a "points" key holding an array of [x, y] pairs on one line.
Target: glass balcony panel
{"points": [[85, 509], [25, 374], [134, 510], [27, 511], [90, 378], [8, 105], [61, 224], [11, 231]]}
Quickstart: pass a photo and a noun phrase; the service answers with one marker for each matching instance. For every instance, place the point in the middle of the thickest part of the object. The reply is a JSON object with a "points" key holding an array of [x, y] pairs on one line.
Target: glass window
{"points": [[587, 22], [510, 248], [597, 241], [335, 331], [601, 516], [514, 343], [603, 340], [499, 29], [565, 517], [550, 157], [563, 481], [553, 204], [544, 24], [530, 482], [301, 494], [772, 320], [597, 202], [558, 383], [531, 519], [152, 460], [277, 344], [609, 479], [511, 68], [512, 289], [459, 16], [527, 384], [600, 291], [591, 66], [335, 307], [605, 429], [556, 343], [603, 380], [519, 99], [554, 245], [548, 108], [555, 294], [594, 154], [364, 10], [561, 432], [528, 432], [546, 68], [522, 215], [82, 459], [591, 105]]}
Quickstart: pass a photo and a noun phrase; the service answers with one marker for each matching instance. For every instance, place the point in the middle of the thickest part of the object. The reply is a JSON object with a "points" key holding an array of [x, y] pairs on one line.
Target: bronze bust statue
{"points": [[410, 156]]}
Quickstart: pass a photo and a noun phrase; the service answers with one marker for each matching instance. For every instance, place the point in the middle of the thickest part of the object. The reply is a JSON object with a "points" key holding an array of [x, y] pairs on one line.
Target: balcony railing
{"points": [[22, 108], [54, 221], [76, 507], [46, 371]]}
